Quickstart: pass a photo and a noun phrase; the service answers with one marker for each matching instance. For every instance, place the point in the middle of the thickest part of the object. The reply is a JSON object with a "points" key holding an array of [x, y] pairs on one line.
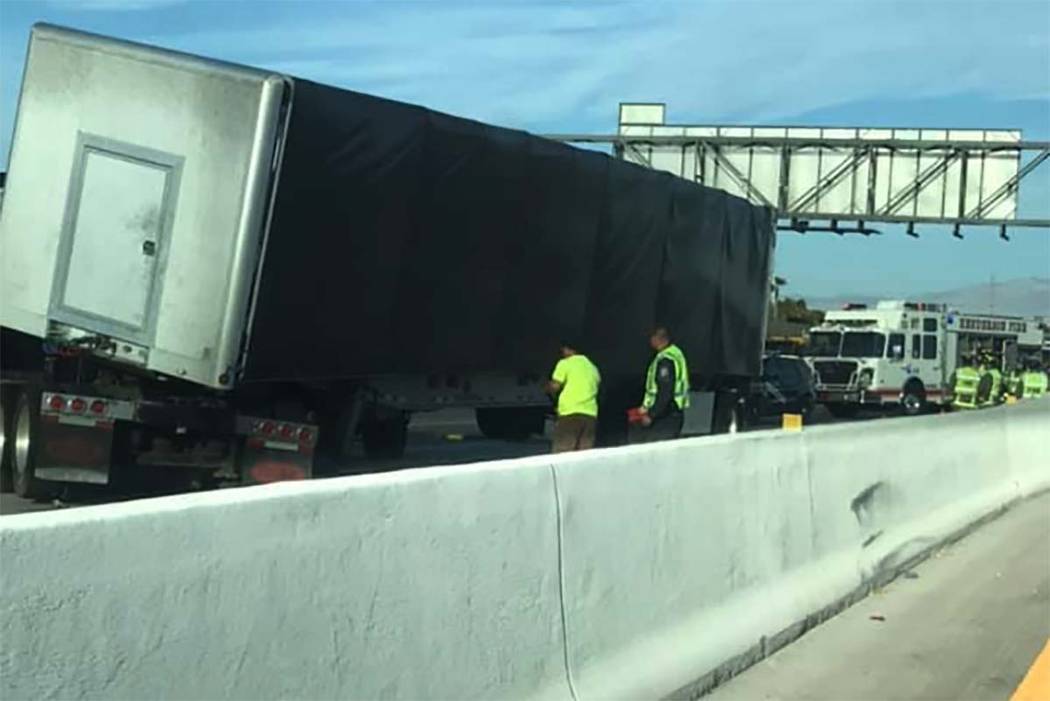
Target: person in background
{"points": [[1034, 381], [575, 382], [965, 382], [662, 413], [1013, 382]]}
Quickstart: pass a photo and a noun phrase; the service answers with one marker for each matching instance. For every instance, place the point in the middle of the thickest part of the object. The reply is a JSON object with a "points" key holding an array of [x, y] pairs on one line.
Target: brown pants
{"points": [[573, 432]]}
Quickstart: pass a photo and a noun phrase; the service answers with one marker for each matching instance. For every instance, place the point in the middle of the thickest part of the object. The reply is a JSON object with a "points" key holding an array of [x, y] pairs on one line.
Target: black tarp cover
{"points": [[408, 241]]}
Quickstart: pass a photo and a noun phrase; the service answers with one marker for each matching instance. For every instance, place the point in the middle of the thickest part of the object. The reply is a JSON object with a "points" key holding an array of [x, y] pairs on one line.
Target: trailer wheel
{"points": [[736, 424], [384, 436], [731, 412], [6, 476], [25, 426], [510, 424]]}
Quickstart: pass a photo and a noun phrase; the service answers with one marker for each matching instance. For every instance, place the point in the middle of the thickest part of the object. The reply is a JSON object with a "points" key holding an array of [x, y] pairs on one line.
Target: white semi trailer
{"points": [[234, 271]]}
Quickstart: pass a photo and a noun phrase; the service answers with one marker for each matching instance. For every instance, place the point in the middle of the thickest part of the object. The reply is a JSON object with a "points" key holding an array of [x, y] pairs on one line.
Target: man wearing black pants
{"points": [[662, 413]]}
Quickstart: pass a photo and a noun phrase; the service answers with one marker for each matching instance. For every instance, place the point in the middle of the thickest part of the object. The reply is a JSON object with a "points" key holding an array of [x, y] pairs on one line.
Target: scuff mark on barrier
{"points": [[863, 505], [871, 539]]}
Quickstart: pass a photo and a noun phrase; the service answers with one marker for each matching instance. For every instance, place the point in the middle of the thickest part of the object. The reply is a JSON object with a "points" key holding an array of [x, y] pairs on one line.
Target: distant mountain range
{"points": [[1026, 297]]}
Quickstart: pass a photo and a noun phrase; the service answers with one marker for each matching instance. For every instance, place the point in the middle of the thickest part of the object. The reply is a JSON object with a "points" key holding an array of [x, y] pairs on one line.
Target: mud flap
{"points": [[275, 451], [699, 417], [73, 449]]}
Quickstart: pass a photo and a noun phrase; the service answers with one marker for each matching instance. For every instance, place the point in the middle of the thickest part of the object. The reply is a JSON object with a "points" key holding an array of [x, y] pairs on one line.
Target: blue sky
{"points": [[564, 66]]}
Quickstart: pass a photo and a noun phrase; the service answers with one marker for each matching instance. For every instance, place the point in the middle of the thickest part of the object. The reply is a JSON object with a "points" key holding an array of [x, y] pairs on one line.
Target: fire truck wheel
{"points": [[914, 399]]}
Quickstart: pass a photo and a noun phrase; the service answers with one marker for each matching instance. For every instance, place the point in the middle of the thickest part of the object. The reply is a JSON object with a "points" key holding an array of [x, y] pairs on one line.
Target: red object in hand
{"points": [[635, 415]]}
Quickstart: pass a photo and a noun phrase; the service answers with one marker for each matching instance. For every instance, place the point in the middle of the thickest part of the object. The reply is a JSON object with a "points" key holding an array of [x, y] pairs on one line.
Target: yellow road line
{"points": [[1036, 684]]}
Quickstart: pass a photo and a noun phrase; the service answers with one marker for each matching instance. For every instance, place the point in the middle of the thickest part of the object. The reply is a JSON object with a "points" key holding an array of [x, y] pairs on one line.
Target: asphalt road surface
{"points": [[437, 438], [444, 437], [967, 624]]}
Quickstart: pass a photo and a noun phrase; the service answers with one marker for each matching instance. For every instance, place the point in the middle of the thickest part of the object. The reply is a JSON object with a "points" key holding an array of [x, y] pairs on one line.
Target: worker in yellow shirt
{"points": [[575, 383]]}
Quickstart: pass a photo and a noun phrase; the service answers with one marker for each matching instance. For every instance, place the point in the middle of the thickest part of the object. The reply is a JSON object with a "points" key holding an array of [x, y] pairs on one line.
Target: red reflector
{"points": [[98, 407], [78, 405], [266, 428], [305, 435], [287, 431], [57, 402]]}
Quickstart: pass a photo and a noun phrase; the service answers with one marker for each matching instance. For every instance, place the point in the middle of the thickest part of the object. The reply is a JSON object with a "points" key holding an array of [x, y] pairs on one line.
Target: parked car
{"points": [[786, 387]]}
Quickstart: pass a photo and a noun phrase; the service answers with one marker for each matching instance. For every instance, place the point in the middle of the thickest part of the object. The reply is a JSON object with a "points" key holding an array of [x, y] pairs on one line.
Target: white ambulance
{"points": [[904, 353]]}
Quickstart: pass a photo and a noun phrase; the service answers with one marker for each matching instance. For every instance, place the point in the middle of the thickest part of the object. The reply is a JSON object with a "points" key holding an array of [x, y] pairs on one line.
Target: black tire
{"points": [[26, 427], [753, 411], [913, 401], [843, 411], [489, 422], [385, 436], [7, 482], [510, 424], [338, 425], [737, 419], [730, 413], [806, 408]]}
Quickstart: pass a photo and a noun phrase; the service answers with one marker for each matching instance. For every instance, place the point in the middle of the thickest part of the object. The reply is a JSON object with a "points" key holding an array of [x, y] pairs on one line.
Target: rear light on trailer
{"points": [[98, 407], [287, 431], [57, 402], [305, 435], [266, 428], [78, 405]]}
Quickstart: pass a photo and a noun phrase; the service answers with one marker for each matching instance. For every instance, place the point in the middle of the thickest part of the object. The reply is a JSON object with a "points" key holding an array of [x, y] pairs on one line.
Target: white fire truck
{"points": [[904, 353]]}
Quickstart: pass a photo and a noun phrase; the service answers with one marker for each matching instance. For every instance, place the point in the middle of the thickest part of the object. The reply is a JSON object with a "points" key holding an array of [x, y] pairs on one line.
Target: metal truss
{"points": [[796, 215]]}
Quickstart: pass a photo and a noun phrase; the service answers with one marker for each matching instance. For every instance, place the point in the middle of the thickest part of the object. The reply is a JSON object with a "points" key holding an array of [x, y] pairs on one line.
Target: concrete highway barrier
{"points": [[437, 583], [638, 572]]}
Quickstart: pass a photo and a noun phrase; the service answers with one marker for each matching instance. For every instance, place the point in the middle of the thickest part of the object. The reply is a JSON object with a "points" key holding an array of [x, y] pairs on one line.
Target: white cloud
{"points": [[529, 64], [112, 5]]}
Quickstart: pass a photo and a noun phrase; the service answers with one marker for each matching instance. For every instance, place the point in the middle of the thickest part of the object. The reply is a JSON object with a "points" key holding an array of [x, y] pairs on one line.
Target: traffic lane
{"points": [[65, 496], [451, 435], [12, 504], [444, 437], [966, 624]]}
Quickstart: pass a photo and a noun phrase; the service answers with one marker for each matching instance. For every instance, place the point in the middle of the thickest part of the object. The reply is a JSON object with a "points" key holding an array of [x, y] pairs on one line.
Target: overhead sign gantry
{"points": [[842, 179]]}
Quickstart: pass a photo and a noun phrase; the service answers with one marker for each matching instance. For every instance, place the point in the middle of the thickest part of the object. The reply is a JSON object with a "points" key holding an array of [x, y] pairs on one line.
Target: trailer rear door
{"points": [[138, 201], [110, 265]]}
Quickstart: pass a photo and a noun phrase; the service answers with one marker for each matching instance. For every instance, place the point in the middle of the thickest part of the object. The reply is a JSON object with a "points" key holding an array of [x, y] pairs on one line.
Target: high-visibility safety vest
{"points": [[1015, 384], [995, 394], [1035, 383], [966, 381], [681, 378]]}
